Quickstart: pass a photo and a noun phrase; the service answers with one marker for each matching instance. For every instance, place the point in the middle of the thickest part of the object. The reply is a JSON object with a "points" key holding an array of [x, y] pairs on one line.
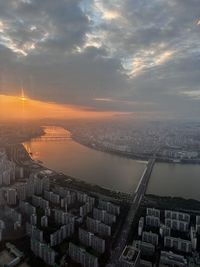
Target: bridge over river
{"points": [[137, 197]]}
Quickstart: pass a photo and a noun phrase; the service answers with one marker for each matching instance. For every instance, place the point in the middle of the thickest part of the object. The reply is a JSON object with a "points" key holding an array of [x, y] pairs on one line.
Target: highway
{"points": [[137, 198]]}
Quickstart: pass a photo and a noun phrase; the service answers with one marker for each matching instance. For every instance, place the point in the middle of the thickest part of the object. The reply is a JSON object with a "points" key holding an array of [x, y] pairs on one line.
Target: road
{"points": [[137, 197]]}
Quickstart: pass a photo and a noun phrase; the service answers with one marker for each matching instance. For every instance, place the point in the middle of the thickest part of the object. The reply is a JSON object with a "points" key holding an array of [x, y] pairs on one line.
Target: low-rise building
{"points": [[146, 249], [130, 257], [172, 259]]}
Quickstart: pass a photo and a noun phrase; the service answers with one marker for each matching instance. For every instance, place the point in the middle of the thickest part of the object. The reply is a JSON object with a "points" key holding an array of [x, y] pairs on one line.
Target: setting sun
{"points": [[23, 98], [14, 107]]}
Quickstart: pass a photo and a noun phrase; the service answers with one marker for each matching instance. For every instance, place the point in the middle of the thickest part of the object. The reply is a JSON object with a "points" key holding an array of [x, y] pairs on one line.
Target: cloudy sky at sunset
{"points": [[103, 55]]}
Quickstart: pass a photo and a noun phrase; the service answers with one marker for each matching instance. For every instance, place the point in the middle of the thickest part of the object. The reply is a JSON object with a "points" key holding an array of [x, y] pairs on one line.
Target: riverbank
{"points": [[96, 190], [143, 158], [13, 134], [172, 203], [66, 180], [139, 157]]}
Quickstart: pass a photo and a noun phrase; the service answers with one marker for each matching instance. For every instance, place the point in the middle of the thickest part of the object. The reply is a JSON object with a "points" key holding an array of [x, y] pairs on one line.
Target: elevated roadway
{"points": [[137, 198]]}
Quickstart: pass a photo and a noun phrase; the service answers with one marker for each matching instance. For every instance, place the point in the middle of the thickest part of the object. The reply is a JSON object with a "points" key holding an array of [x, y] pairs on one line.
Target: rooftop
{"points": [[130, 254]]}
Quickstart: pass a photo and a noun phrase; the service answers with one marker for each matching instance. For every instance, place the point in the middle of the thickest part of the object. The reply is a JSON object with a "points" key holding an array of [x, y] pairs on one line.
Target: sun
{"points": [[22, 97]]}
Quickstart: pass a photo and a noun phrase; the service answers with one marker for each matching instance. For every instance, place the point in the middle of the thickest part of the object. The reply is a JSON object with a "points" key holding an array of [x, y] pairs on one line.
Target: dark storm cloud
{"points": [[105, 55], [76, 78]]}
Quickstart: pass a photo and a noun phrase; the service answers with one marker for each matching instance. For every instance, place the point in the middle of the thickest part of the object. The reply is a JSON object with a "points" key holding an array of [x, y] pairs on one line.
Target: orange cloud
{"points": [[14, 107]]}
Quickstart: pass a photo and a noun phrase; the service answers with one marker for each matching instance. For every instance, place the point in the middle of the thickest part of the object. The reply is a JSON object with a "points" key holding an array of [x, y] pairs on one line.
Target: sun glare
{"points": [[21, 107], [23, 98]]}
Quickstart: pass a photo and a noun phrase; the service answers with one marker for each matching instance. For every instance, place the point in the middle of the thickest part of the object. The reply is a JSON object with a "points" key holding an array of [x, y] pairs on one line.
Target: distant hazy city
{"points": [[166, 140], [57, 218]]}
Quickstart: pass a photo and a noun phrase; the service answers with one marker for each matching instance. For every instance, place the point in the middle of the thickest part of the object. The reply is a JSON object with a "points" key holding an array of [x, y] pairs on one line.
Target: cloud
{"points": [[146, 59], [104, 99], [195, 94], [106, 13], [124, 54]]}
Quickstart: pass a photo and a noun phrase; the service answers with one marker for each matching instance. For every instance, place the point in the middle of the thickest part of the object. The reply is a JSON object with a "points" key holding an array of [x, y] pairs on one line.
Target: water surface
{"points": [[181, 180], [59, 152]]}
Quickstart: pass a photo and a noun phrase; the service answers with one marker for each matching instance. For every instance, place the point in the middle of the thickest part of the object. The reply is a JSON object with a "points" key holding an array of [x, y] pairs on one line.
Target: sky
{"points": [[23, 108], [112, 56]]}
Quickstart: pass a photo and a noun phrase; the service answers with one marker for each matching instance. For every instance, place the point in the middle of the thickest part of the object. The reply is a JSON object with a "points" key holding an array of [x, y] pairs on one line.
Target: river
{"points": [[57, 150], [176, 180]]}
